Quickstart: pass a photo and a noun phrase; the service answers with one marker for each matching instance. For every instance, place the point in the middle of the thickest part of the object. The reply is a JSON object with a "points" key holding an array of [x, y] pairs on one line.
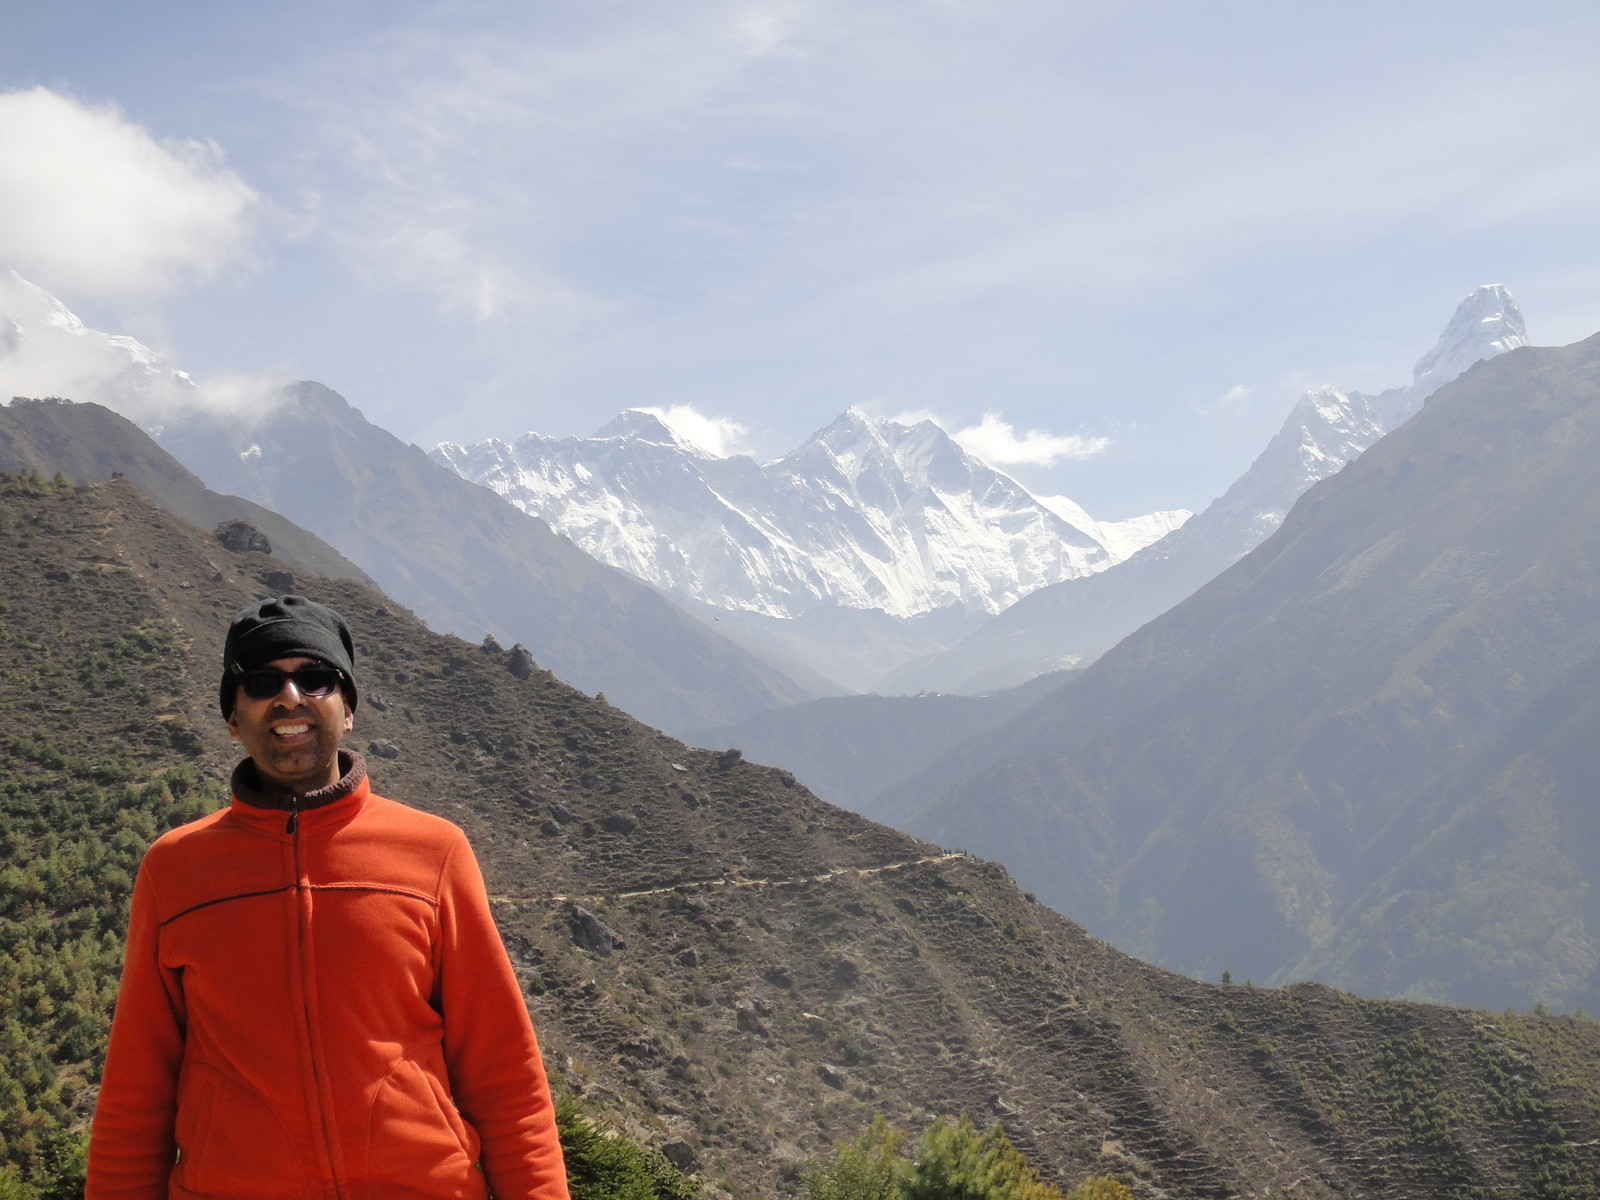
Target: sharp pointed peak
{"points": [[853, 417], [1488, 322]]}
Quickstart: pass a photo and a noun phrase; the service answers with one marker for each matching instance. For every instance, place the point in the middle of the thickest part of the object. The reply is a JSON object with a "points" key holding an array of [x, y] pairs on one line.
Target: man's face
{"points": [[293, 739]]}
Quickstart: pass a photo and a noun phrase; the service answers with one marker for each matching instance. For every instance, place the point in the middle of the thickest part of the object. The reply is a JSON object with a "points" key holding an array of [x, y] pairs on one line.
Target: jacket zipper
{"points": [[293, 829]]}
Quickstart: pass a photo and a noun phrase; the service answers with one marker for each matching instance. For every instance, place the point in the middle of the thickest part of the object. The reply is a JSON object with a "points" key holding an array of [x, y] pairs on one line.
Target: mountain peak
{"points": [[46, 350], [852, 422], [1486, 323], [635, 424], [868, 513], [25, 302]]}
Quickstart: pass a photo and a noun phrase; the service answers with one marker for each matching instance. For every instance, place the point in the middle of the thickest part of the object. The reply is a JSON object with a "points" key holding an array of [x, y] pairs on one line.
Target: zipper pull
{"points": [[294, 815]]}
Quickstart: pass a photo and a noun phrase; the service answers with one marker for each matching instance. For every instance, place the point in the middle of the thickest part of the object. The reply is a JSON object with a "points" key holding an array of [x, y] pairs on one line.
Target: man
{"points": [[315, 1002]]}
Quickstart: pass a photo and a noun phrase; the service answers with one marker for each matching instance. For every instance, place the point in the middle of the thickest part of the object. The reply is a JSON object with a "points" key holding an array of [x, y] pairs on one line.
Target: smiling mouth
{"points": [[291, 730]]}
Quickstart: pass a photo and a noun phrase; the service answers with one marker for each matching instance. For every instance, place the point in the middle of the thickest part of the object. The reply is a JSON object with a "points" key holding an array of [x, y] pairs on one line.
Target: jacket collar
{"points": [[342, 798]]}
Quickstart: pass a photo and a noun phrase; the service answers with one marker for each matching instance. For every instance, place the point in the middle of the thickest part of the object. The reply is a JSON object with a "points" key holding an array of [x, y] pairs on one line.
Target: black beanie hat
{"points": [[286, 627]]}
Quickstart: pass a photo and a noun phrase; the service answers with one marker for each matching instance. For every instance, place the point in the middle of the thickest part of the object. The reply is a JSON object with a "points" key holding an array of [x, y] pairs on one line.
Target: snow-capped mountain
{"points": [[46, 350], [1328, 427], [1073, 622], [1485, 324], [870, 514], [867, 514]]}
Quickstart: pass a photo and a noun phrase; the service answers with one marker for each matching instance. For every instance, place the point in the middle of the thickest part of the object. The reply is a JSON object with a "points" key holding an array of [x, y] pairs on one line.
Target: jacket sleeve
{"points": [[496, 1074], [132, 1144]]}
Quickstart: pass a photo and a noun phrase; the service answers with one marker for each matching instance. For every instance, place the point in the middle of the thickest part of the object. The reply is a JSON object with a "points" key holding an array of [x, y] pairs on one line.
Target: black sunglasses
{"points": [[312, 682]]}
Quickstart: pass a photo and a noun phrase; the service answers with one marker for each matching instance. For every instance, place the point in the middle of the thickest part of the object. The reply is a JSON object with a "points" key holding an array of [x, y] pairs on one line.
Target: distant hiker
{"points": [[315, 1002]]}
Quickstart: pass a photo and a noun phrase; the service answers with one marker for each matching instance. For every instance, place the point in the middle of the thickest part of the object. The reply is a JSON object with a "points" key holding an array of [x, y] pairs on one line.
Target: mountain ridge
{"points": [[867, 513], [1073, 622], [88, 443], [1226, 786], [436, 542]]}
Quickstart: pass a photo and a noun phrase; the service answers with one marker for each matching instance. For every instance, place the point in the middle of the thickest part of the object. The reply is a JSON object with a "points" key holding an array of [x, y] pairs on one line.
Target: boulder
{"points": [[521, 662], [589, 932], [242, 538], [681, 1155]]}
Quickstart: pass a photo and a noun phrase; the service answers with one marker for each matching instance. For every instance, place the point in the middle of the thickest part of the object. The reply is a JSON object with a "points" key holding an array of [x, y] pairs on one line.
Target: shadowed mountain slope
{"points": [[1343, 754], [712, 956], [468, 562], [851, 749], [88, 443]]}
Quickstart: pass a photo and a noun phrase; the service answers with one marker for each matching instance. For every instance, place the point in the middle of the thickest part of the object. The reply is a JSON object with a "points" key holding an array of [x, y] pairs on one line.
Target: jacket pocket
{"points": [[230, 1142], [417, 1142]]}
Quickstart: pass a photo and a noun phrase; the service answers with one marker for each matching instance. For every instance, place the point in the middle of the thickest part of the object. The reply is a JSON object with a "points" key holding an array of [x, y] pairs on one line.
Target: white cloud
{"points": [[719, 436], [999, 445], [45, 350], [244, 396], [92, 206]]}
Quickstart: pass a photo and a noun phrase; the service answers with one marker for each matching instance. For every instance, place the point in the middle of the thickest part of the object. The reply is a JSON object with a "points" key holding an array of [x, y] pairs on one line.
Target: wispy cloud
{"points": [[93, 206], [486, 217], [719, 436], [469, 160], [245, 396], [1000, 445]]}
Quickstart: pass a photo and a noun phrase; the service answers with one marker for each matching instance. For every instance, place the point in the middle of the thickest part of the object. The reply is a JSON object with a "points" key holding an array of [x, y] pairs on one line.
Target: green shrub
{"points": [[950, 1161], [866, 1169], [606, 1166], [956, 1162]]}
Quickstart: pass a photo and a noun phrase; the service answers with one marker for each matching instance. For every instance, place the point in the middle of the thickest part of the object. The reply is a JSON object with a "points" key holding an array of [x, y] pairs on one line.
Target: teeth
{"points": [[290, 730]]}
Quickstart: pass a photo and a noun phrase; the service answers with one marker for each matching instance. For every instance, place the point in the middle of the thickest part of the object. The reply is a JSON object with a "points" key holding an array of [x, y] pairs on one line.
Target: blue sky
{"points": [[1137, 229]]}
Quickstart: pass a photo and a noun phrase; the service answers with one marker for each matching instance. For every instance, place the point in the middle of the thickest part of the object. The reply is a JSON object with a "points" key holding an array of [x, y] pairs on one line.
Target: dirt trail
{"points": [[732, 880]]}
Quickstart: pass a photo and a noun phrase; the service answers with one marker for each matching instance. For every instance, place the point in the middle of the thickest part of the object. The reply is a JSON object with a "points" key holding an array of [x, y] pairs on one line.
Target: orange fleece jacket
{"points": [[324, 1013]]}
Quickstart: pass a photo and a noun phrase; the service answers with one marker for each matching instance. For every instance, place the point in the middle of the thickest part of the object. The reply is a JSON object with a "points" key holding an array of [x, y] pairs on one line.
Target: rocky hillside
{"points": [[719, 961]]}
